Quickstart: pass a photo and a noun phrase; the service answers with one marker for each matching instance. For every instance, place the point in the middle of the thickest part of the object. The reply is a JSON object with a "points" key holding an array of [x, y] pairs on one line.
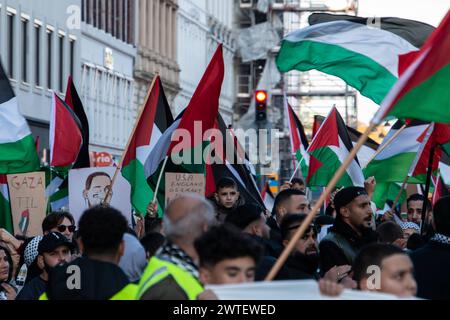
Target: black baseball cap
{"points": [[52, 241], [347, 195]]}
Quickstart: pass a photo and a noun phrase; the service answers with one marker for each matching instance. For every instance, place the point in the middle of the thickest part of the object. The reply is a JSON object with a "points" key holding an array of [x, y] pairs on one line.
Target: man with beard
{"points": [[350, 231], [304, 260], [54, 249]]}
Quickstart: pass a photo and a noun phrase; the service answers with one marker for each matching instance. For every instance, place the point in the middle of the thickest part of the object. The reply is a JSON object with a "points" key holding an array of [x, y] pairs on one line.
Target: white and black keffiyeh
{"points": [[440, 238], [174, 254]]}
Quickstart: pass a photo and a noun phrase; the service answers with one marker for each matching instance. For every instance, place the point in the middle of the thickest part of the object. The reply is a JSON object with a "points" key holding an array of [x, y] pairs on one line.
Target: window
{"points": [[72, 55], [49, 58], [61, 63], [24, 50], [37, 56], [10, 45]]}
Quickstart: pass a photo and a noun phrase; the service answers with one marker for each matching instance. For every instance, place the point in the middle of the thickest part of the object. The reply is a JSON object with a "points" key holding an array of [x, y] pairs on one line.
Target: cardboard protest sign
{"points": [[88, 187], [179, 183], [28, 204]]}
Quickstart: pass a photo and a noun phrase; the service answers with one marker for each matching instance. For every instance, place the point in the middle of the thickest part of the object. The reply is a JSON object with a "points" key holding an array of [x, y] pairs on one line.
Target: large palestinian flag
{"points": [[184, 142], [328, 150], [366, 57], [422, 91], [155, 119], [17, 149], [299, 142]]}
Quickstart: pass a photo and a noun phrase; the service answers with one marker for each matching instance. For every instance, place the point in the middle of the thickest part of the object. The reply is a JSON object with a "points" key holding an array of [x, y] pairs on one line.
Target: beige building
{"points": [[157, 47]]}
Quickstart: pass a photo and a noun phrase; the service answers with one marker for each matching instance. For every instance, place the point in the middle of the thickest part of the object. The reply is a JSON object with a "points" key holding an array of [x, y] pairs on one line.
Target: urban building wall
{"points": [[203, 24]]}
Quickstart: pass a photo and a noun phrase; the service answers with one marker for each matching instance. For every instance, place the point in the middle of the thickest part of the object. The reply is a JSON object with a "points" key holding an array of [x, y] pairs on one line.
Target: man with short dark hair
{"points": [[351, 229], [227, 256], [384, 268], [298, 184], [226, 198], [289, 201], [414, 205], [390, 232], [101, 231], [54, 249], [432, 261]]}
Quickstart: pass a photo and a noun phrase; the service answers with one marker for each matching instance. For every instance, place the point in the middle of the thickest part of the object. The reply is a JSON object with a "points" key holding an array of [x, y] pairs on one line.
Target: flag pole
{"points": [[309, 218], [159, 178], [399, 194], [427, 189], [138, 118], [296, 169], [380, 149]]}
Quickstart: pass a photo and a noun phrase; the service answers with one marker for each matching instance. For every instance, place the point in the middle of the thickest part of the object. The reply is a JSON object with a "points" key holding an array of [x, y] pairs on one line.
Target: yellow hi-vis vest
{"points": [[158, 269], [127, 293]]}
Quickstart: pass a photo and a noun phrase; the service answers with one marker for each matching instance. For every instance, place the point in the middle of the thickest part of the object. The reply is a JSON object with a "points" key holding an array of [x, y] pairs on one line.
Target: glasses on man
{"points": [[62, 228]]}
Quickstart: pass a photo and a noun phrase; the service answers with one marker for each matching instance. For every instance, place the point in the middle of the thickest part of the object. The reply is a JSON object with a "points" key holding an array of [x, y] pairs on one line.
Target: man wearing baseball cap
{"points": [[350, 231], [53, 249]]}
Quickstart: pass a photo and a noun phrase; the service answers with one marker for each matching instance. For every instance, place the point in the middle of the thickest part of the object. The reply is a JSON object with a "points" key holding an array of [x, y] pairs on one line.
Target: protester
{"points": [[173, 273], [227, 256], [8, 290], [390, 232], [298, 184], [409, 228], [62, 222], [101, 231], [287, 201], [351, 230], [250, 219], [303, 262], [134, 259], [226, 198], [414, 205], [432, 261], [385, 268], [151, 243], [53, 249]]}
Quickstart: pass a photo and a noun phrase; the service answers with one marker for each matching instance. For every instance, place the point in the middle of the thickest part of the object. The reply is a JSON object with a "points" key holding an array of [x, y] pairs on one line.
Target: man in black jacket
{"points": [[350, 231], [289, 201], [432, 261], [96, 275]]}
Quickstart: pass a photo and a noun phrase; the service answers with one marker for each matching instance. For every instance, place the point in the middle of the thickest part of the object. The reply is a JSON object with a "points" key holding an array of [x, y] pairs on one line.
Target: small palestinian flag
{"points": [[24, 221]]}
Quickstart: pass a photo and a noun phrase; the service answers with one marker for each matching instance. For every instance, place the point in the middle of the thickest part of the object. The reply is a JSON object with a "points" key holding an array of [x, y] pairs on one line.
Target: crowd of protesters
{"points": [[225, 240]]}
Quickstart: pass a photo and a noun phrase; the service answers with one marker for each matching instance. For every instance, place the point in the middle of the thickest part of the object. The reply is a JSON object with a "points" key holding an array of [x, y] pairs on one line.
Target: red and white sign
{"points": [[102, 159]]}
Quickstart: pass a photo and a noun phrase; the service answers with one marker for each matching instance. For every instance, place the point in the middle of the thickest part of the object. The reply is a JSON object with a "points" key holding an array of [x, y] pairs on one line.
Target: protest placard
{"points": [[179, 183], [28, 204]]}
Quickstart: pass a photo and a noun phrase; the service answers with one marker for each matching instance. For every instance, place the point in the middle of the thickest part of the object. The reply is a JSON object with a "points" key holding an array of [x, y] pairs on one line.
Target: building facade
{"points": [[201, 26], [107, 59], [157, 47], [39, 49]]}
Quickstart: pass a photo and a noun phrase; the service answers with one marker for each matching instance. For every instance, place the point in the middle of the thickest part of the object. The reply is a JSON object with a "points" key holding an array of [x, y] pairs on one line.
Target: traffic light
{"points": [[261, 105]]}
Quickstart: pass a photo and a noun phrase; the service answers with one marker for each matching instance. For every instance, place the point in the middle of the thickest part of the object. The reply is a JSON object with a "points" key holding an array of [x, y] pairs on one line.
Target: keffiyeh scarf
{"points": [[174, 254]]}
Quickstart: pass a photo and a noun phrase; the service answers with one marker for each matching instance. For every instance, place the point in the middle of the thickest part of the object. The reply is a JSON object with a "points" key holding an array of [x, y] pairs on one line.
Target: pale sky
{"points": [[428, 11]]}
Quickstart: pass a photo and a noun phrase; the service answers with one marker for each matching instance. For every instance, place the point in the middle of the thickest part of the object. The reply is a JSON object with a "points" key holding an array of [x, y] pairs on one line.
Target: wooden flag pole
{"points": [[119, 167], [309, 218], [159, 178], [386, 144], [399, 194]]}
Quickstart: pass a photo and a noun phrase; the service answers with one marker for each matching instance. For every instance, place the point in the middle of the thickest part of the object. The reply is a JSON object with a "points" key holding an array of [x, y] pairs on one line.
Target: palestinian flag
{"points": [[370, 59], [191, 128], [440, 189], [365, 153], [57, 190], [393, 163], [5, 207], [385, 191], [155, 119], [422, 91], [234, 165], [17, 149], [328, 150], [299, 142], [268, 197], [74, 102]]}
